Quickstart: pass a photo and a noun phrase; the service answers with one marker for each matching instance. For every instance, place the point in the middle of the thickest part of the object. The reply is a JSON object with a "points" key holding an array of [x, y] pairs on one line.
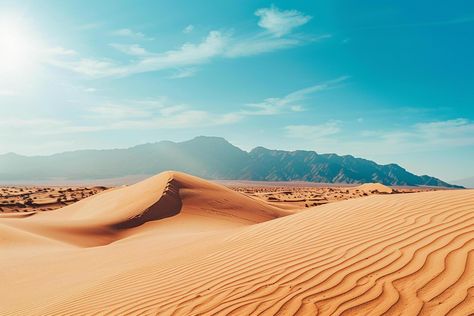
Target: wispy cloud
{"points": [[188, 29], [184, 73], [313, 132], [419, 137], [88, 66], [292, 101], [133, 50], [263, 43], [59, 51], [280, 22], [111, 111], [152, 114], [126, 32], [90, 26], [433, 135], [278, 26], [39, 125], [7, 93], [187, 55], [160, 113]]}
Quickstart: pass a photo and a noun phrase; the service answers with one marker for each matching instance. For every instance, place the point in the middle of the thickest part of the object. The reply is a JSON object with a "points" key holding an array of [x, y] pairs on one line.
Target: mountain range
{"points": [[211, 158]]}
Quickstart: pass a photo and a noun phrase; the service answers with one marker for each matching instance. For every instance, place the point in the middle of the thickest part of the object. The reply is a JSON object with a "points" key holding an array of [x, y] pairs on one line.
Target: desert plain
{"points": [[175, 244]]}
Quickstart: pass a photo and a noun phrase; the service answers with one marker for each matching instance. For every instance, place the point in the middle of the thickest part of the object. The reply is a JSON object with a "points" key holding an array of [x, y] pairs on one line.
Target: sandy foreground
{"points": [[179, 245]]}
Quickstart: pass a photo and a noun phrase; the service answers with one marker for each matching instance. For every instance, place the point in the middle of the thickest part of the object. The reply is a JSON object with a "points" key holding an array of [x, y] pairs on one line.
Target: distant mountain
{"points": [[276, 165], [211, 158], [466, 182]]}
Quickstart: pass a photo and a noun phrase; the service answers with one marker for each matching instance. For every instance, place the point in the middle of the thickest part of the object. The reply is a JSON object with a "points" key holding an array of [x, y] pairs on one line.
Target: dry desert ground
{"points": [[35, 199], [175, 244]]}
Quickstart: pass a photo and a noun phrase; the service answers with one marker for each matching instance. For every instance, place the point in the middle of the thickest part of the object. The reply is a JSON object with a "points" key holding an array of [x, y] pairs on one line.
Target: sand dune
{"points": [[111, 215], [374, 187], [178, 245]]}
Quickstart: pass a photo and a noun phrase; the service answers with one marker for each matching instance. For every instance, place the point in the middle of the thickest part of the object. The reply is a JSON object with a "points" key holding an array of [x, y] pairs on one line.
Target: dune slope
{"points": [[383, 254]]}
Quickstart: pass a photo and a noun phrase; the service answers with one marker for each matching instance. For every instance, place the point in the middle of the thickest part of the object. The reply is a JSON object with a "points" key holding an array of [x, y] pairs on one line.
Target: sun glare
{"points": [[17, 48]]}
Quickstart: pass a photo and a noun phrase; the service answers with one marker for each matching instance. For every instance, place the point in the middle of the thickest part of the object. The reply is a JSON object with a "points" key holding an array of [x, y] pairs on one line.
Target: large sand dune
{"points": [[178, 245]]}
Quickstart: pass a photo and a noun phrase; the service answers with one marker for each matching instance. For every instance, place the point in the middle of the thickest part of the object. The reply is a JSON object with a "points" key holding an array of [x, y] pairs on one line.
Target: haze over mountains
{"points": [[466, 182], [211, 158]]}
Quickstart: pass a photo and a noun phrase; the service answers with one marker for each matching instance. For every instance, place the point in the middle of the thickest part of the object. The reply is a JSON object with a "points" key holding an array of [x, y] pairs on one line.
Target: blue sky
{"points": [[390, 81]]}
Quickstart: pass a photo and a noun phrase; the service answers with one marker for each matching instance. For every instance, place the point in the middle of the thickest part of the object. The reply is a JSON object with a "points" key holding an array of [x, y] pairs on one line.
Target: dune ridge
{"points": [[382, 254], [168, 204]]}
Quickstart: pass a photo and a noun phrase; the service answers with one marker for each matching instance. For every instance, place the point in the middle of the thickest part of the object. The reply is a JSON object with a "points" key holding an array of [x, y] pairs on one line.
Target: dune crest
{"points": [[227, 254], [370, 187]]}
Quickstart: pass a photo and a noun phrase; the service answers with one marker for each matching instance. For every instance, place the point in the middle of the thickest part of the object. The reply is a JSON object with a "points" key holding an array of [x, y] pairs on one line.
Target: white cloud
{"points": [[269, 106], [433, 135], [184, 73], [13, 122], [262, 43], [279, 22], [126, 32], [291, 101], [187, 55], [419, 137], [119, 117], [216, 44], [134, 49], [313, 132], [160, 113], [259, 45], [89, 67], [188, 29], [60, 51], [297, 108], [37, 126], [154, 115], [90, 26], [110, 111], [8, 93]]}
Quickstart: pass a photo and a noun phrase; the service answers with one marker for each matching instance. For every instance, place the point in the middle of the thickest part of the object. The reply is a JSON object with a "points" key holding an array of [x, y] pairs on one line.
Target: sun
{"points": [[17, 46]]}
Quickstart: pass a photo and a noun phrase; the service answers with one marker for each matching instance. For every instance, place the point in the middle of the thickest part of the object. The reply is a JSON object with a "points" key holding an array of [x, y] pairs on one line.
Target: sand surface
{"points": [[179, 245]]}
